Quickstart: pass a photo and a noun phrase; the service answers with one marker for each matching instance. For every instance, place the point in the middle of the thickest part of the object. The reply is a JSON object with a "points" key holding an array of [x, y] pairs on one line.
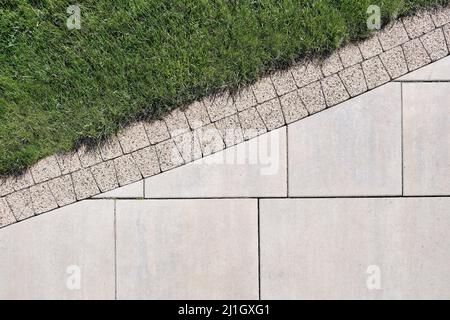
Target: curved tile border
{"points": [[145, 149]]}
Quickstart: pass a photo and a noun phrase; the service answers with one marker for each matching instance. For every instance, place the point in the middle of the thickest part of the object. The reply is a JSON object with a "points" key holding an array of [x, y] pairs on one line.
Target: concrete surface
{"points": [[66, 254], [426, 114], [187, 249], [351, 202], [256, 168]]}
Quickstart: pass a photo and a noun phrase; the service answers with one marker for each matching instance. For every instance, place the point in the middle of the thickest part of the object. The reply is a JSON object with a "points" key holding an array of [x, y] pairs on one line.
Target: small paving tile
{"points": [[156, 131], [415, 54], [127, 170], [68, 162], [84, 184], [111, 149], [334, 90], [370, 47], [441, 16], [353, 150], [436, 71], [293, 107], [271, 114], [447, 34], [42, 198], [332, 64], [45, 255], [426, 138], [177, 122], [6, 186], [283, 81], [147, 161], [244, 99], [197, 115], [394, 61], [375, 72], [264, 90], [45, 169], [22, 181], [312, 98], [350, 55], [306, 72], [220, 106], [134, 190], [252, 124], [435, 44], [210, 139], [6, 215], [230, 130], [418, 24], [213, 241], [133, 137], [63, 190], [189, 146], [393, 35], [168, 155], [89, 156], [254, 168], [353, 79], [105, 175], [20, 204]]}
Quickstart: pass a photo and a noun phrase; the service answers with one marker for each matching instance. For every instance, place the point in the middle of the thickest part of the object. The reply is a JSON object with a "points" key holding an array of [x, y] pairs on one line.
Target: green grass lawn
{"points": [[141, 58]]}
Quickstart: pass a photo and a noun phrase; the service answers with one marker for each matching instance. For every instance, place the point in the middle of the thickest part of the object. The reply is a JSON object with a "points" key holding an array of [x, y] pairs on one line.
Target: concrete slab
{"points": [[437, 71], [353, 149], [187, 249], [426, 136], [134, 190], [65, 254], [255, 168], [384, 248], [415, 54]]}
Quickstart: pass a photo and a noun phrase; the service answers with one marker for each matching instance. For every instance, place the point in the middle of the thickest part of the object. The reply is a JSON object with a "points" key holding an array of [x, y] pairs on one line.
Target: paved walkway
{"points": [[352, 202]]}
